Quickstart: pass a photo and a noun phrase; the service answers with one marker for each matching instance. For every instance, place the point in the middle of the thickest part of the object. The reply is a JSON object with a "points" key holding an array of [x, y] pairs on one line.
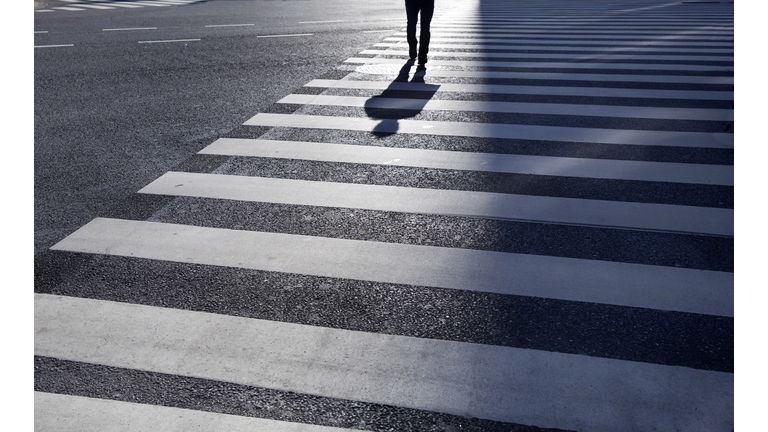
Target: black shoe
{"points": [[412, 52], [421, 67]]}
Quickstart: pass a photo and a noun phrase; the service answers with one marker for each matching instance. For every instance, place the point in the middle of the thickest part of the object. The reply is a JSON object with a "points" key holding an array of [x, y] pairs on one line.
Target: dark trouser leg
{"points": [[412, 13], [427, 10]]}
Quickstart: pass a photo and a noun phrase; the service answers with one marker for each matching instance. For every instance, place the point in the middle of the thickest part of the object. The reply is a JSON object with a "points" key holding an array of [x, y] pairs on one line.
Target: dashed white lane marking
{"points": [[285, 35], [54, 46], [229, 25], [130, 29], [169, 41], [321, 22]]}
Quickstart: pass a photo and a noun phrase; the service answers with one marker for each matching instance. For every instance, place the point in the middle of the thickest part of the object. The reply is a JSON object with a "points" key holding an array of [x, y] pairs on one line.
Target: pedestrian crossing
{"points": [[85, 5], [535, 232]]}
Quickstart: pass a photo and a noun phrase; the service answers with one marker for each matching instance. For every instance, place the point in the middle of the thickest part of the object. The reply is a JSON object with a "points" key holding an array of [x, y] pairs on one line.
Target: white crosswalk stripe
{"points": [[65, 413], [604, 118]]}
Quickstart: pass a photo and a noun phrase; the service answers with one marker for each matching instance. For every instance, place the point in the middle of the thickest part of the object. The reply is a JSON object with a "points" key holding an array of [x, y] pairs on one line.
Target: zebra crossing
{"points": [[535, 232], [84, 5]]}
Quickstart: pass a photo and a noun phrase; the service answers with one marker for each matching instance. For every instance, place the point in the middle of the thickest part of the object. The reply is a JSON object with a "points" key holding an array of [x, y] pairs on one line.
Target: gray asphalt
{"points": [[113, 113]]}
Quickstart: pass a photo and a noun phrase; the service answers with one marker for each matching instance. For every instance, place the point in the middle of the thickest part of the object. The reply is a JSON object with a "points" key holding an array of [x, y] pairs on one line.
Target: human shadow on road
{"points": [[402, 99]]}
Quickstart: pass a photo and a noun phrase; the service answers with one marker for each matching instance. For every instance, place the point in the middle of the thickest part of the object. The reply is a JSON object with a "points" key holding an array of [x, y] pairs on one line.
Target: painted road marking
{"points": [[579, 57], [285, 35], [169, 41], [576, 211], [130, 29], [562, 65], [519, 164], [703, 114], [473, 380], [66, 413], [526, 90], [572, 279], [229, 25], [502, 131], [368, 62]]}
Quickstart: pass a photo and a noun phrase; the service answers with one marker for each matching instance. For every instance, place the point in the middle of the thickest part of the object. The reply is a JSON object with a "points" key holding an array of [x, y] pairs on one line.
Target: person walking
{"points": [[412, 10]]}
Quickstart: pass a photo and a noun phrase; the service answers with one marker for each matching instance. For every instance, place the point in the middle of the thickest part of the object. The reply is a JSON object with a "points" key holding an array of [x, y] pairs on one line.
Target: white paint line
{"points": [[495, 130], [130, 29], [525, 90], [285, 35], [643, 216], [377, 31], [560, 65], [95, 6], [683, 34], [547, 44], [54, 46], [505, 163], [44, 10], [42, 31], [67, 8], [169, 41], [704, 31], [703, 114], [320, 22], [605, 50], [156, 4], [570, 20], [229, 25], [626, 28], [65, 413], [438, 72], [546, 389], [124, 5], [575, 57], [611, 38], [633, 285]]}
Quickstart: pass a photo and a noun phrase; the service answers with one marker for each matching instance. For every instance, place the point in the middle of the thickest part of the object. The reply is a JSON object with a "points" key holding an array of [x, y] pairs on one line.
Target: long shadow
{"points": [[402, 99]]}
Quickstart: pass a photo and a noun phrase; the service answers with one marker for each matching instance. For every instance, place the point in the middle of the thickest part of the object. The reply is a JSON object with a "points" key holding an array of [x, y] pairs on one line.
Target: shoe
{"points": [[421, 67], [412, 52]]}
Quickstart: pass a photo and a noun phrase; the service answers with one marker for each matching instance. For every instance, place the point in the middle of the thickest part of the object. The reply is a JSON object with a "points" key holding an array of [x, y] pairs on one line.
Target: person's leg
{"points": [[427, 10], [412, 13]]}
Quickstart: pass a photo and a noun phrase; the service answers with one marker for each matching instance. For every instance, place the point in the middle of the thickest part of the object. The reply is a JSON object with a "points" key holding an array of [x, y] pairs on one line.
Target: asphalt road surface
{"points": [[113, 112], [260, 215]]}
